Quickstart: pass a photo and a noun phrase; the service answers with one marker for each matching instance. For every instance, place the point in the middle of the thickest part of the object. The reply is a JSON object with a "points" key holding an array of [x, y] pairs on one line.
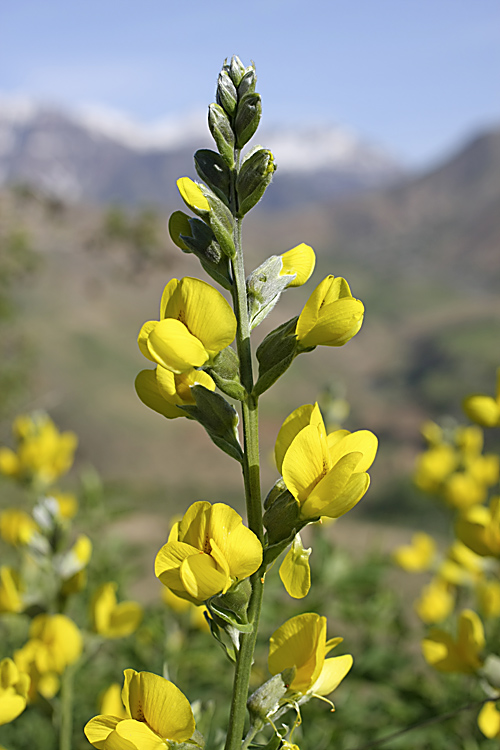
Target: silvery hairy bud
{"points": [[255, 175], [247, 118], [226, 95], [222, 133], [236, 70]]}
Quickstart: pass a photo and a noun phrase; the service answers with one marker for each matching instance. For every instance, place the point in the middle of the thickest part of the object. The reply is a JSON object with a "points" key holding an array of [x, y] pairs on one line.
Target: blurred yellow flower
{"points": [[488, 720], [301, 643], [446, 654], [110, 619], [196, 323], [483, 409], [111, 702], [488, 595], [207, 551], [479, 529], [331, 315], [10, 590], [418, 555], [43, 453], [436, 601], [178, 605], [17, 527], [434, 466], [157, 712], [14, 686], [68, 504], [55, 643], [325, 474]]}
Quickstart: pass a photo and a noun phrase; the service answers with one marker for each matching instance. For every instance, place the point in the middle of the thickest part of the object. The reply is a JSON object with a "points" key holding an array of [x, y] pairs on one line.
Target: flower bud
{"points": [[247, 84], [222, 133], [236, 70], [213, 170], [281, 519], [255, 175], [193, 197], [275, 355], [225, 371], [247, 118], [226, 94], [221, 222], [266, 699]]}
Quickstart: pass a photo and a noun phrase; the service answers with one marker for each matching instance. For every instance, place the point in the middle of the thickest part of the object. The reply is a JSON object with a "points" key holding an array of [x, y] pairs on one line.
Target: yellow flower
{"points": [[461, 490], [483, 409], [479, 529], [462, 565], [178, 605], [416, 556], [294, 571], [43, 452], [462, 655], [55, 643], [195, 324], [436, 601], [17, 527], [163, 391], [14, 686], [207, 551], [488, 720], [10, 590], [298, 262], [110, 619], [434, 466], [331, 315], [488, 594], [157, 712], [68, 504], [301, 643], [325, 474]]}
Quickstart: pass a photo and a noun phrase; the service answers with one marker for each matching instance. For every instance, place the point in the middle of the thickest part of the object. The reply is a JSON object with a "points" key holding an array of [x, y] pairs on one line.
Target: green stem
{"points": [[251, 477], [66, 709]]}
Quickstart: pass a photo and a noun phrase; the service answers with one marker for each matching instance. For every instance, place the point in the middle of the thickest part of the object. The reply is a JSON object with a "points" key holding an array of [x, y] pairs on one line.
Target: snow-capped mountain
{"points": [[99, 155]]}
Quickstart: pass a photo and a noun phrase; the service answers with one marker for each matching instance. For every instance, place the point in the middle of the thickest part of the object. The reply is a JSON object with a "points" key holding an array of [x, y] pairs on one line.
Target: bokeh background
{"points": [[383, 118]]}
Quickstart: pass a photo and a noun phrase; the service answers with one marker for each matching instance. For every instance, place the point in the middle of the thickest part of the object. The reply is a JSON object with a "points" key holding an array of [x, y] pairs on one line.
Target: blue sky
{"points": [[415, 76]]}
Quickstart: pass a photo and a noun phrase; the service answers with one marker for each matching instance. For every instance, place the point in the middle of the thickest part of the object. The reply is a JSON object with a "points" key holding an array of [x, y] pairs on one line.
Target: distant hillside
{"points": [[447, 221], [98, 158]]}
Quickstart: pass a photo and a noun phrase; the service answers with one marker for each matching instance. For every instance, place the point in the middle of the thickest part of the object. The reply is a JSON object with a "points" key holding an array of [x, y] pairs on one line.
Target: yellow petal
{"points": [[191, 195], [143, 337], [335, 326], [299, 260], [124, 620], [418, 555], [299, 643], [338, 491], [333, 672], [201, 578], [363, 441], [293, 424], [194, 528], [136, 734], [239, 545], [172, 346], [159, 703], [169, 560], [102, 605], [98, 729], [205, 312], [146, 386], [305, 462], [295, 572]]}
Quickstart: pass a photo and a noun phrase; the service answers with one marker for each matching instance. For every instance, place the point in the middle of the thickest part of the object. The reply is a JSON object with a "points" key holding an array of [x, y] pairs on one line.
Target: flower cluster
{"points": [[455, 469]]}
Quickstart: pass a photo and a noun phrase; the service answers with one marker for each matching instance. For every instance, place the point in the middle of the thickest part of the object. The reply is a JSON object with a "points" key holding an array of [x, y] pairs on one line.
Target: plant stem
{"points": [[66, 709], [251, 477]]}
